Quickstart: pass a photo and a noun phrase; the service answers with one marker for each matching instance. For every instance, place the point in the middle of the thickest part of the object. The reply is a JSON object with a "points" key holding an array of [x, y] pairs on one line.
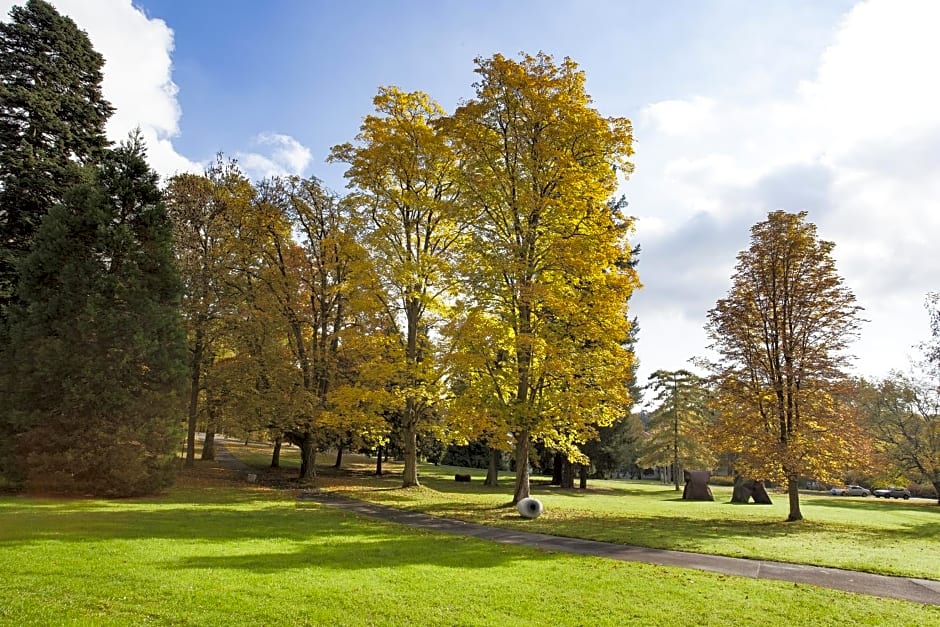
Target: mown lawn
{"points": [[881, 536], [214, 553]]}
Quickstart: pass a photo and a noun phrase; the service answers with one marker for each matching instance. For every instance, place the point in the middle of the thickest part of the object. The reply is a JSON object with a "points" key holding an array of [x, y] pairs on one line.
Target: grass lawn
{"points": [[213, 553], [881, 536]]}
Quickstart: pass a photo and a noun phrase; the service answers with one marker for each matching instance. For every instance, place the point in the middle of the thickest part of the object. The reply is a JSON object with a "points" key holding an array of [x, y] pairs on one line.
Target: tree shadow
{"points": [[373, 552], [316, 535], [876, 505]]}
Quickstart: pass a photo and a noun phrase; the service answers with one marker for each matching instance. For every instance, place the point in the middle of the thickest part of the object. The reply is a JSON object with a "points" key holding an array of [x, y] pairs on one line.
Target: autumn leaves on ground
{"points": [[469, 292]]}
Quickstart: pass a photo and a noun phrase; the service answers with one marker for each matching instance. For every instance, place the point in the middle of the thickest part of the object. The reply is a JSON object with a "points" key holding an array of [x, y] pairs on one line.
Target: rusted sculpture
{"points": [[747, 489], [696, 486]]}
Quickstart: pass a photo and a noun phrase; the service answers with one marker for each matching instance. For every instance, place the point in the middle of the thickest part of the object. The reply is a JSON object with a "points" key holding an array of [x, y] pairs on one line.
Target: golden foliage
{"points": [[780, 334], [546, 264]]}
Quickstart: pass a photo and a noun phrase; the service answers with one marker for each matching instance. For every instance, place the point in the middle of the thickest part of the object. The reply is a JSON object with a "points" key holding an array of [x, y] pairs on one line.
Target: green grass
{"points": [[874, 535], [208, 553]]}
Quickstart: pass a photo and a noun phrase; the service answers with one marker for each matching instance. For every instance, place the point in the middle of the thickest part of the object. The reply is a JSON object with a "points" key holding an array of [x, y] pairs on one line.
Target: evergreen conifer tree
{"points": [[52, 118], [96, 341]]}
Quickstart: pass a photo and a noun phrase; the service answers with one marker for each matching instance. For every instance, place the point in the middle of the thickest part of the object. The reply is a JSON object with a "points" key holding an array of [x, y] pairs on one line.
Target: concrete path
{"points": [[225, 459], [908, 589]]}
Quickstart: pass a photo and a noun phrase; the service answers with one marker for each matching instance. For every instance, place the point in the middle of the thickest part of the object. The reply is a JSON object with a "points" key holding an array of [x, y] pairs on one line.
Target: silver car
{"points": [[893, 493], [850, 490]]}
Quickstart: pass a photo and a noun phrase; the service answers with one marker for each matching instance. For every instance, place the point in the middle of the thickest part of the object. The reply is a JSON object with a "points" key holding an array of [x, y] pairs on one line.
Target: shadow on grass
{"points": [[314, 535], [382, 551], [876, 505]]}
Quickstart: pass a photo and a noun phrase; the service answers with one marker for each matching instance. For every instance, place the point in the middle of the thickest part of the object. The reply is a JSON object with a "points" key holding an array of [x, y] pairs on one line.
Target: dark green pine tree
{"points": [[96, 339], [52, 119], [617, 447]]}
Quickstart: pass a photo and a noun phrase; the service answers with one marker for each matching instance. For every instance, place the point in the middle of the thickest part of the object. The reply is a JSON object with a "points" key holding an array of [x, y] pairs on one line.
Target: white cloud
{"points": [[138, 82], [877, 79], [137, 74], [678, 117], [282, 156], [857, 145]]}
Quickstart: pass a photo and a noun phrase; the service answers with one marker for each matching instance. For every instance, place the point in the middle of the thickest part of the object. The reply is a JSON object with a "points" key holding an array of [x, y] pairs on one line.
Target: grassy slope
{"points": [[875, 535], [210, 553]]}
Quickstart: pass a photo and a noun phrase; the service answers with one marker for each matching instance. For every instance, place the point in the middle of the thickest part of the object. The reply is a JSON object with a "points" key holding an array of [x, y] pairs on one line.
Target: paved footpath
{"points": [[908, 589], [225, 458]]}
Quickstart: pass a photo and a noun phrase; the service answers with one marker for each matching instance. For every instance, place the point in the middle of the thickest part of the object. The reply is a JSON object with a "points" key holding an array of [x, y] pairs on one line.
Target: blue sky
{"points": [[310, 69], [739, 108]]}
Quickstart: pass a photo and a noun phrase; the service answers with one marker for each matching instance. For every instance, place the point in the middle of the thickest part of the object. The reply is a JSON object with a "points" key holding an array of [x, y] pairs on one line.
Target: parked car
{"points": [[893, 493], [850, 490]]}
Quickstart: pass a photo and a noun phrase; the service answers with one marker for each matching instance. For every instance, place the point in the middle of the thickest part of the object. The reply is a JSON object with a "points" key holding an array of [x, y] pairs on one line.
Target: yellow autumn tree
{"points": [[546, 267], [202, 209], [402, 174], [319, 291], [349, 351], [780, 335], [265, 390]]}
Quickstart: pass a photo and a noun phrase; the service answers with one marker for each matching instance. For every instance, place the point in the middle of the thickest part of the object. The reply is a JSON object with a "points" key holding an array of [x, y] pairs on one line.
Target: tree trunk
{"points": [[339, 457], [410, 476], [558, 465], [793, 492], [522, 468], [567, 475], [582, 476], [212, 422], [675, 432], [492, 473], [195, 373], [208, 445], [276, 455], [936, 487], [308, 456], [378, 461], [410, 428]]}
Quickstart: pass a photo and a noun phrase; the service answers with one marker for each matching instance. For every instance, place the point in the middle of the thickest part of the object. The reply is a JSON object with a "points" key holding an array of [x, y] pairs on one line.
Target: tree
{"points": [[618, 446], [272, 267], [780, 336], [903, 414], [404, 173], [931, 349], [679, 425], [52, 118], [96, 338], [345, 342], [205, 211], [319, 283], [903, 411], [262, 373], [543, 267]]}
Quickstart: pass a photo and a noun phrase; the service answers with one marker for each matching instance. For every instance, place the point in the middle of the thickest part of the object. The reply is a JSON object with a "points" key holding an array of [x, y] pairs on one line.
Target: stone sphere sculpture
{"points": [[529, 508]]}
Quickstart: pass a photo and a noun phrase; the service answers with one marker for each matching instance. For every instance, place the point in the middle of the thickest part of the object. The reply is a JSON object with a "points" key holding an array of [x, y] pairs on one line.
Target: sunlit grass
{"points": [[207, 553], [880, 536]]}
